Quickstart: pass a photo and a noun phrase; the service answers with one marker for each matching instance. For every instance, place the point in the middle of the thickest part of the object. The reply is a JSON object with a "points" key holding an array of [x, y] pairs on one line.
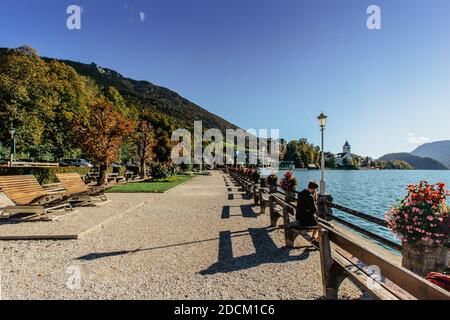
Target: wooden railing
{"points": [[341, 255]]}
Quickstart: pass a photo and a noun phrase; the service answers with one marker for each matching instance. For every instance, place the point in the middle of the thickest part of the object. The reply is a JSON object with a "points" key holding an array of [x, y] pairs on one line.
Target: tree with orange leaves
{"points": [[101, 133]]}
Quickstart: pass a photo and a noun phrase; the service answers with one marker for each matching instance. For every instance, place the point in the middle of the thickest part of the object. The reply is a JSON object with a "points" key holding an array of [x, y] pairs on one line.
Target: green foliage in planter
{"points": [[43, 175], [160, 170]]}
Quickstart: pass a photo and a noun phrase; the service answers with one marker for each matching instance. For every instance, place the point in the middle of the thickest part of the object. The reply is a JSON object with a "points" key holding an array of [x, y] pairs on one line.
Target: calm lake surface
{"points": [[372, 192]]}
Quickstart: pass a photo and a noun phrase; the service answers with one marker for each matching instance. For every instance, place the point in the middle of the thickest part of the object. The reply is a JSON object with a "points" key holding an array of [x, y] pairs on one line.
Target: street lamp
{"points": [[12, 132], [322, 122]]}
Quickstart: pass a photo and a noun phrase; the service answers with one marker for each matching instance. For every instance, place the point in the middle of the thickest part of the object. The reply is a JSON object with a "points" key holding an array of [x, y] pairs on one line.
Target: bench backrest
{"points": [[415, 285], [22, 190], [72, 182]]}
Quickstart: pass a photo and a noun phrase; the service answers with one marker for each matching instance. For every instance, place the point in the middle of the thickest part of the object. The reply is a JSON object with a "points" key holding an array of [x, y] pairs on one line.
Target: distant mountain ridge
{"points": [[148, 95], [144, 94], [417, 162], [439, 150]]}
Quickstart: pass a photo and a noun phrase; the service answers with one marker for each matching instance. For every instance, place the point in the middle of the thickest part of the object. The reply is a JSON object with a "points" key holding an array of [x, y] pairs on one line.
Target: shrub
{"points": [[160, 170], [43, 175]]}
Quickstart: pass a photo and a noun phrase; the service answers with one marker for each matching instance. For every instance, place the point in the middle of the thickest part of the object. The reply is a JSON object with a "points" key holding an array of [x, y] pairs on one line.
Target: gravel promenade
{"points": [[201, 240]]}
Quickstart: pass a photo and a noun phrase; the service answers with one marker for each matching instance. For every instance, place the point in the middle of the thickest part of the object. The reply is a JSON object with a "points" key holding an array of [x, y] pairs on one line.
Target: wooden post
{"points": [[256, 197], [324, 209], [288, 234], [329, 278], [273, 215], [262, 203], [263, 183]]}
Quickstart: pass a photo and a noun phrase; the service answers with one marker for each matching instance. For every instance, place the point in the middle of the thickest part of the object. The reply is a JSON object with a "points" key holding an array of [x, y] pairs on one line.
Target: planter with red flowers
{"points": [[288, 184], [421, 221]]}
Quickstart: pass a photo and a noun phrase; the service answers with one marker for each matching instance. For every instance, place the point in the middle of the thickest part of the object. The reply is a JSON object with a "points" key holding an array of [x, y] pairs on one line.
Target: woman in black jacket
{"points": [[307, 208]]}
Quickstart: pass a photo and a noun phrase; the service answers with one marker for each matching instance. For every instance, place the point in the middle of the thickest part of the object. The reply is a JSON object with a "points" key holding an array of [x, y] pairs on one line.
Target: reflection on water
{"points": [[369, 191]]}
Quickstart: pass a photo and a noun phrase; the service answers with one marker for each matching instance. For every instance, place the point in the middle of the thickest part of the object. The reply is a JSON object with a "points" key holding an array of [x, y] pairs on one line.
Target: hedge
{"points": [[43, 175]]}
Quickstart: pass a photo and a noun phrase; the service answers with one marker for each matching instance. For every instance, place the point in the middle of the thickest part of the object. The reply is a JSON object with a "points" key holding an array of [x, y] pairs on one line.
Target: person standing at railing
{"points": [[307, 208]]}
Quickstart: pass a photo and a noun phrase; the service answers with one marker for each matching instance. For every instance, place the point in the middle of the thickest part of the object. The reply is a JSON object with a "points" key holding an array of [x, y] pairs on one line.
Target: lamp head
{"points": [[322, 120]]}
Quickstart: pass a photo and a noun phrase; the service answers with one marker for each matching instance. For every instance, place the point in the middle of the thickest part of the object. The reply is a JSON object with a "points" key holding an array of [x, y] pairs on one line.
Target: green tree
{"points": [[40, 98], [143, 139], [331, 162]]}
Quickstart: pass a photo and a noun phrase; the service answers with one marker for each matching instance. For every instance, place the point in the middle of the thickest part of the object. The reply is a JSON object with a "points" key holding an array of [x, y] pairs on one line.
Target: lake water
{"points": [[369, 191]]}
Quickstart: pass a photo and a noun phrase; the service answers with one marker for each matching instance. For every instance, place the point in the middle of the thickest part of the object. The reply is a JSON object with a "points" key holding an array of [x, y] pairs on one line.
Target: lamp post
{"points": [[322, 122], [12, 132]]}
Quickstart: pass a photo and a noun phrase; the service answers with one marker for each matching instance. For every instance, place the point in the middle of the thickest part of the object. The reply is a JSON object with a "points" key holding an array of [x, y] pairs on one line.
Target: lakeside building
{"points": [[345, 156]]}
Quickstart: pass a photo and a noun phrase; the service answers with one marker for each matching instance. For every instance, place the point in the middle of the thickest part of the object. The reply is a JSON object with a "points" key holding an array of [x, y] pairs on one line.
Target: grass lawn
{"points": [[148, 187]]}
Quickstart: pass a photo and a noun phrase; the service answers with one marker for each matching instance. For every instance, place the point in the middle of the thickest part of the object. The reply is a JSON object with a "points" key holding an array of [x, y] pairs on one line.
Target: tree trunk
{"points": [[102, 178], [142, 168]]}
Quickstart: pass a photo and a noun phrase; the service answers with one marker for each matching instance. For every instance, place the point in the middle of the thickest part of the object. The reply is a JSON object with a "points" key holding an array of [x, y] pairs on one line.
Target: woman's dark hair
{"points": [[313, 185]]}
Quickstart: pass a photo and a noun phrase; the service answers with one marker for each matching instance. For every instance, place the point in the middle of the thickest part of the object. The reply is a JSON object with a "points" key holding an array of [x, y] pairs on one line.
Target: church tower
{"points": [[347, 148]]}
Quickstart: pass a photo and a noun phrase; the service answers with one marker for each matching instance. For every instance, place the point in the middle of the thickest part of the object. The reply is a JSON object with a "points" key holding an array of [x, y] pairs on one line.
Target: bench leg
{"points": [[38, 211], [290, 234], [274, 216], [334, 281], [263, 206], [332, 274], [256, 198]]}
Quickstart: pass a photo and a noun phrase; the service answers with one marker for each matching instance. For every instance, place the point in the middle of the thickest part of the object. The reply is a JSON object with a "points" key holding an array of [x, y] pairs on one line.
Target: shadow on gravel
{"points": [[100, 255], [266, 251], [232, 196], [246, 212]]}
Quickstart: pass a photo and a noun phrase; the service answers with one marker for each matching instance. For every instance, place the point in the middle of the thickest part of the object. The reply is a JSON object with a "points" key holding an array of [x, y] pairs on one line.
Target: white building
{"points": [[346, 155]]}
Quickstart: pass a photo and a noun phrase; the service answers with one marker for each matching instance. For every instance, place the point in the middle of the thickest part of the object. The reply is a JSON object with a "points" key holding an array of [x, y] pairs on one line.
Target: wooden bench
{"points": [[130, 176], [114, 177], [263, 199], [81, 193], [91, 177], [281, 209], [341, 258], [246, 184], [30, 197]]}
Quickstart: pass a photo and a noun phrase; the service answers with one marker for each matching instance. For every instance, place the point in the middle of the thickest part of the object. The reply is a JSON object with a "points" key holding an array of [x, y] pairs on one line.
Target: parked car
{"points": [[75, 163]]}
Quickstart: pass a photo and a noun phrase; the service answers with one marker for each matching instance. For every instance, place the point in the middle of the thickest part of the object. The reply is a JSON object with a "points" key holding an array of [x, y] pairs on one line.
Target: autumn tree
{"points": [[144, 141], [101, 133]]}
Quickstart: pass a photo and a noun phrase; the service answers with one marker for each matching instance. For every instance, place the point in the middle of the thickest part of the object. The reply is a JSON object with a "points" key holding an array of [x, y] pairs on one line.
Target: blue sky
{"points": [[269, 63]]}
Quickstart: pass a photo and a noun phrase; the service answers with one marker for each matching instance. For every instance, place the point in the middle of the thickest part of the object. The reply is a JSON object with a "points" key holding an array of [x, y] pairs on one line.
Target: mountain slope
{"points": [[417, 162], [439, 150], [144, 94], [148, 95]]}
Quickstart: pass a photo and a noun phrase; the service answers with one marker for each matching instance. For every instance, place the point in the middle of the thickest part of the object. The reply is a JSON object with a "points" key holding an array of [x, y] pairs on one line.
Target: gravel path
{"points": [[199, 241]]}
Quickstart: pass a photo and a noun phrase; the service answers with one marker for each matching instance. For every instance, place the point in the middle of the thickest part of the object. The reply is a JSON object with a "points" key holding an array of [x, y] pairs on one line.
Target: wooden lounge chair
{"points": [[79, 191], [30, 198]]}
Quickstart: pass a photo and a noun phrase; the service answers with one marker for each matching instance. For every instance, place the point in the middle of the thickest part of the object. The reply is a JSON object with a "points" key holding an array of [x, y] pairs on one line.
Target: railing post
{"points": [[332, 274], [262, 203], [273, 217], [324, 209], [263, 183], [256, 197], [288, 235]]}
